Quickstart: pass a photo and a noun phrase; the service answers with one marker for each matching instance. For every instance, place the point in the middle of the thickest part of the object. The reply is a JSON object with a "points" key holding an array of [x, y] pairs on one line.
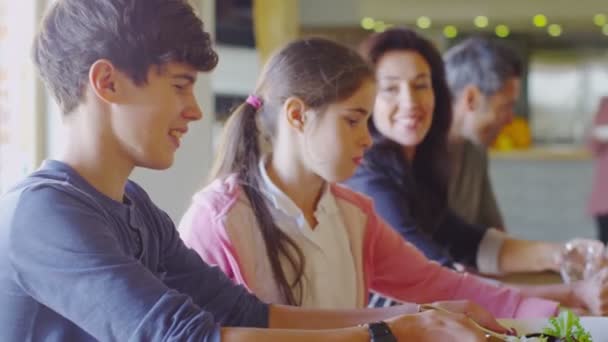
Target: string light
{"points": [[502, 31], [555, 30], [539, 20], [368, 23], [450, 31], [380, 26], [599, 19], [481, 21], [423, 22]]}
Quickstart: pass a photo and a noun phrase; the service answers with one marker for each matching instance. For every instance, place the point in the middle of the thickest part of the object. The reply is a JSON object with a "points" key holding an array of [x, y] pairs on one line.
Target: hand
{"points": [[474, 312], [593, 293], [580, 311], [435, 325]]}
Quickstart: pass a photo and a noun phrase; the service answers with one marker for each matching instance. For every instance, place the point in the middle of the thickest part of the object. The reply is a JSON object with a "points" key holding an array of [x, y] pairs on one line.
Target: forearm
{"points": [[562, 293], [354, 334], [289, 317], [528, 256]]}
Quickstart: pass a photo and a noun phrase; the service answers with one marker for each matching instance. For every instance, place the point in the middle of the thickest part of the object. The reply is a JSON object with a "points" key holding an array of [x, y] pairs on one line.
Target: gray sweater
{"points": [[470, 193]]}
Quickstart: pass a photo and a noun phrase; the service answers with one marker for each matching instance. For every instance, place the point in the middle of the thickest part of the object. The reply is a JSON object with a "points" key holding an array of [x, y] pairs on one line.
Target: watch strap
{"points": [[380, 332]]}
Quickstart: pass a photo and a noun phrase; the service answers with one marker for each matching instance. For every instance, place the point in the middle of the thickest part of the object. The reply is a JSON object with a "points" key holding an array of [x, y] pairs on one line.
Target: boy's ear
{"points": [[104, 79], [295, 110]]}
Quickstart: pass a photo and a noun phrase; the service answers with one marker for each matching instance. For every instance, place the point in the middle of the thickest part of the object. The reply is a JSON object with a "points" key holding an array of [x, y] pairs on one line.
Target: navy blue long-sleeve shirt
{"points": [[452, 240], [76, 265]]}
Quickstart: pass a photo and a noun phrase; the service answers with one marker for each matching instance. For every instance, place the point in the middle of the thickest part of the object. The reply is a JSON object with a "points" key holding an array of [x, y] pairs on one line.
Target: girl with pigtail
{"points": [[276, 221]]}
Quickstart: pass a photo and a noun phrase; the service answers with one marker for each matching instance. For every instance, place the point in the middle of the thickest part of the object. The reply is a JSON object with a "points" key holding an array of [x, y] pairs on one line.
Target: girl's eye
{"points": [[421, 86], [389, 89], [179, 87], [352, 122]]}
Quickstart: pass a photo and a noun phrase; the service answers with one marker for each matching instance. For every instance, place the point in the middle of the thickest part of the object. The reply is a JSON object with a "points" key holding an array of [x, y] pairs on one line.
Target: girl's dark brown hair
{"points": [[317, 71], [428, 180]]}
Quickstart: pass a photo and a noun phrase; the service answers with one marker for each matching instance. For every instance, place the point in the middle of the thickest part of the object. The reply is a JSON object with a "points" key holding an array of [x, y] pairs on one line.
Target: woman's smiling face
{"points": [[403, 110]]}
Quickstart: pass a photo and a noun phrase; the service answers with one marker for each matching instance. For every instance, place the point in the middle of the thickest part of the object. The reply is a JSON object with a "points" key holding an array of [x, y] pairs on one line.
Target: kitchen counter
{"points": [[545, 152]]}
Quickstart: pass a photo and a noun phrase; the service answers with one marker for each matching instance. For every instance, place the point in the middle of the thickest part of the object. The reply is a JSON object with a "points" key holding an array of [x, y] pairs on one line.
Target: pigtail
{"points": [[240, 153]]}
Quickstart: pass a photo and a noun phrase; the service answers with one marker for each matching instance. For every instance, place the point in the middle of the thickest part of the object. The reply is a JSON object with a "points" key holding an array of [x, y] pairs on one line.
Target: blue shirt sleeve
{"points": [[460, 238], [453, 239], [65, 254], [232, 305], [392, 206]]}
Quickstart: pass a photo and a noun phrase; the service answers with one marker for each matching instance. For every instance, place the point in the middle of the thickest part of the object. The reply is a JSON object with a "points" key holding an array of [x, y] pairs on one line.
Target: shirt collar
{"points": [[327, 203]]}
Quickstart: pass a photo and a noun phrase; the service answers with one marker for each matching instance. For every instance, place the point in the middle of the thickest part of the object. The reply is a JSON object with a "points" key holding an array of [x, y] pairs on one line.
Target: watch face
{"points": [[380, 332]]}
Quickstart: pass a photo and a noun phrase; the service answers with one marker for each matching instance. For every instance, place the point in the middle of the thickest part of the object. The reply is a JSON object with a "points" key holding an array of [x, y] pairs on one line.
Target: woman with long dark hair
{"points": [[406, 170]]}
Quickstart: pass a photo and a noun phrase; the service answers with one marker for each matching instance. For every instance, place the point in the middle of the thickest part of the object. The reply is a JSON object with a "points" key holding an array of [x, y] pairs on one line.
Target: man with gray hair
{"points": [[484, 78]]}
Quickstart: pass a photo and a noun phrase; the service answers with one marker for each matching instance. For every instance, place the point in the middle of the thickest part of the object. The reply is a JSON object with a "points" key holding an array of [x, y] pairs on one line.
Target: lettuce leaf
{"points": [[567, 326]]}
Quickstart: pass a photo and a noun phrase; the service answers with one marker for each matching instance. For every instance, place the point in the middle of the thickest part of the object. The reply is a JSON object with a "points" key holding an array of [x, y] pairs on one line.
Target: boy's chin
{"points": [[158, 164]]}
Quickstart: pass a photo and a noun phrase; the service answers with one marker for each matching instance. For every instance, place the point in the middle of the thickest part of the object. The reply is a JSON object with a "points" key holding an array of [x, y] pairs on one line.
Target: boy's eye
{"points": [[179, 86]]}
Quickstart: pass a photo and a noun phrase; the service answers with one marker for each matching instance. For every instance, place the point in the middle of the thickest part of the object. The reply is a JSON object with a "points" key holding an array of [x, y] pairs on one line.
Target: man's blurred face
{"points": [[495, 112]]}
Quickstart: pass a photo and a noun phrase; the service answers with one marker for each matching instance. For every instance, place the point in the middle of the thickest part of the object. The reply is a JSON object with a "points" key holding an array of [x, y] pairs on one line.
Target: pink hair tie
{"points": [[254, 101]]}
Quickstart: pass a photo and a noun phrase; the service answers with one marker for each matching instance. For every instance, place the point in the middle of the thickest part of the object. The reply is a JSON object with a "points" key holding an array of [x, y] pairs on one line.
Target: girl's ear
{"points": [[295, 112]]}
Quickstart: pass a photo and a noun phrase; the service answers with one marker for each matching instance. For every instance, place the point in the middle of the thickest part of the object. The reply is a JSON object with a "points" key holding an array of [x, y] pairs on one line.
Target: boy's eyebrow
{"points": [[188, 77]]}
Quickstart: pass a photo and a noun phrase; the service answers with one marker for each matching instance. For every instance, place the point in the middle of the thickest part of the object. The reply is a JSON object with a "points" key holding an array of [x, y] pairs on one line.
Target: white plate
{"points": [[597, 326]]}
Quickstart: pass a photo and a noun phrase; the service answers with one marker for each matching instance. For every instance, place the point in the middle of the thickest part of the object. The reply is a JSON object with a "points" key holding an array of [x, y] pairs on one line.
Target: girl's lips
{"points": [[358, 160]]}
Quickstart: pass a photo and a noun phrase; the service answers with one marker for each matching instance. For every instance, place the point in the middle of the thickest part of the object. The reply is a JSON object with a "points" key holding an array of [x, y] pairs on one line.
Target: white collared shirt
{"points": [[329, 275]]}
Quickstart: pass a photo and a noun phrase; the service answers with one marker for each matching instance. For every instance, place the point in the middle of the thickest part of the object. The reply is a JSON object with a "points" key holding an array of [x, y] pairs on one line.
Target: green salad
{"points": [[564, 328]]}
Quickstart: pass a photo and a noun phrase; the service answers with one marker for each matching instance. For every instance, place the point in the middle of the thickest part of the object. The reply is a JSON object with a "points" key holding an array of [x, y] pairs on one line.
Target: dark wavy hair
{"points": [[426, 177], [319, 72], [132, 34]]}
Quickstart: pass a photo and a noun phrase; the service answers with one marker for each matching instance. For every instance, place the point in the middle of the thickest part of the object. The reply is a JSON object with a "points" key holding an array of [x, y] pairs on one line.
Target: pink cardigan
{"points": [[384, 261]]}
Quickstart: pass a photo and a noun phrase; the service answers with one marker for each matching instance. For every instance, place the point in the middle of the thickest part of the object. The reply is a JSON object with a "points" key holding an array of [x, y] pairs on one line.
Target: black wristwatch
{"points": [[380, 332]]}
